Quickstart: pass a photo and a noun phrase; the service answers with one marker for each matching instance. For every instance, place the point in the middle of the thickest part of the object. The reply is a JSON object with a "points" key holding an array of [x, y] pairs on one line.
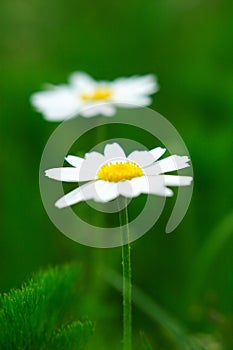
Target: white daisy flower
{"points": [[114, 174], [86, 97]]}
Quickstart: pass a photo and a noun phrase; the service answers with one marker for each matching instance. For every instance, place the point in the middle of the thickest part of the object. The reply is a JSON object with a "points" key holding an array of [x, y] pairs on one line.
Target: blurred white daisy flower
{"points": [[112, 174], [86, 97]]}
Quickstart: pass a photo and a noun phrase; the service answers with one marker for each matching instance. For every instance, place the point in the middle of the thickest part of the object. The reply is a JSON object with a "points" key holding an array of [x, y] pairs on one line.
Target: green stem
{"points": [[127, 286]]}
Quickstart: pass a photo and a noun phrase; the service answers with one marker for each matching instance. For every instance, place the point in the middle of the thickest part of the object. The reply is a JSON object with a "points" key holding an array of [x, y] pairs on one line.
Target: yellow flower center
{"points": [[99, 94], [115, 172]]}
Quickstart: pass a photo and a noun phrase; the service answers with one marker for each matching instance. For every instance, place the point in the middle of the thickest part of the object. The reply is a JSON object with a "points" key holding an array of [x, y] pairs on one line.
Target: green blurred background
{"points": [[188, 44]]}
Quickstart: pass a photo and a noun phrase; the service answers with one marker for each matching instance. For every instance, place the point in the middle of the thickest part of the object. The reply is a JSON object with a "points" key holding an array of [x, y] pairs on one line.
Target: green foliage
{"points": [[73, 336], [210, 251], [176, 331], [145, 342], [42, 314]]}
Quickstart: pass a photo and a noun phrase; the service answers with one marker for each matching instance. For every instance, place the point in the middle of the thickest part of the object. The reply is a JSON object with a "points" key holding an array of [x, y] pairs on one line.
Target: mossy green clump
{"points": [[43, 314]]}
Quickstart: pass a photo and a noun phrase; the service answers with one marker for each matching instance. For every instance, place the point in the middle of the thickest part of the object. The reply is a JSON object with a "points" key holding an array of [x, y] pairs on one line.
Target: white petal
{"points": [[167, 164], [147, 185], [132, 101], [134, 187], [176, 180], [157, 152], [100, 191], [82, 82], [156, 186], [105, 191], [108, 110], [136, 85], [94, 158], [63, 174], [57, 104], [75, 161], [142, 158], [113, 151], [93, 161], [71, 174], [98, 108], [145, 158], [79, 194], [161, 191], [134, 91]]}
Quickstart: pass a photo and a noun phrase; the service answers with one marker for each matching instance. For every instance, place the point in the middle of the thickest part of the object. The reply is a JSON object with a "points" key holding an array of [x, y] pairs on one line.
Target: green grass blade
{"points": [[43, 313], [156, 313], [145, 342], [209, 252]]}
